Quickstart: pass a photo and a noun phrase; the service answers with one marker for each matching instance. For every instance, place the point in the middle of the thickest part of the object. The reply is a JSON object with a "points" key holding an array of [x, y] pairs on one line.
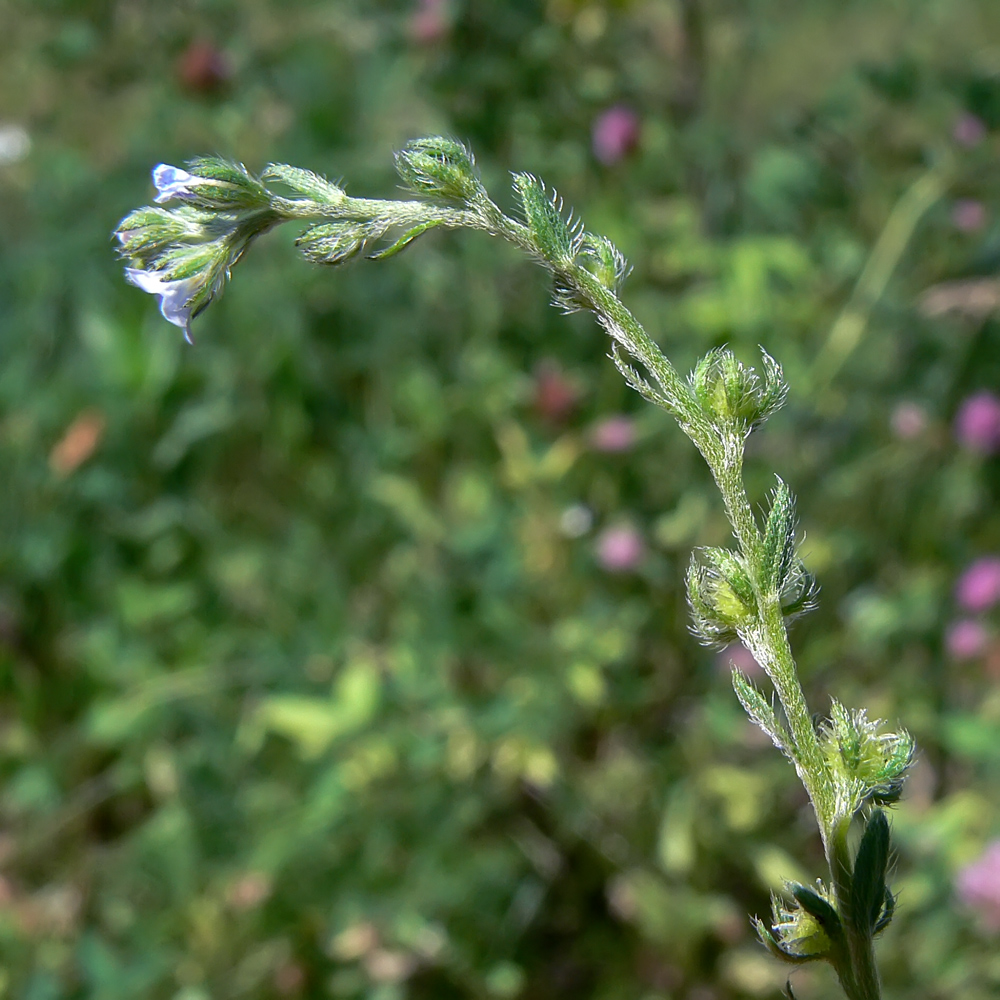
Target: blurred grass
{"points": [[305, 690]]}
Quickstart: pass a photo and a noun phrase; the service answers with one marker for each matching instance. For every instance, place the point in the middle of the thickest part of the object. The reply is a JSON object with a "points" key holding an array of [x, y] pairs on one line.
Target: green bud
{"points": [[557, 240], [720, 594], [734, 396], [211, 182], [440, 167], [868, 765], [605, 261], [797, 933], [306, 183], [183, 261], [337, 242]]}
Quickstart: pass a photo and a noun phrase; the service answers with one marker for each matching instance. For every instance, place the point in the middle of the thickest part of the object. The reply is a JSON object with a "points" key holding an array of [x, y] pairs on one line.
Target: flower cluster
{"points": [[182, 255], [976, 592]]}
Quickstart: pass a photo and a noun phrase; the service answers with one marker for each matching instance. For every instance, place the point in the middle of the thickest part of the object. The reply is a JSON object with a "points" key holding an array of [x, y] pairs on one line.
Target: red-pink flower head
{"points": [[968, 215], [620, 549], [977, 425], [978, 886], [613, 434], [969, 130], [965, 639], [615, 134], [978, 588]]}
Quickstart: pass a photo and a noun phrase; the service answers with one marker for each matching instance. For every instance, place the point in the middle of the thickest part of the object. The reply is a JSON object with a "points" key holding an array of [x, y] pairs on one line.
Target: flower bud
{"points": [[337, 242], [734, 396], [441, 167], [212, 183], [721, 595], [803, 930], [867, 765], [605, 260]]}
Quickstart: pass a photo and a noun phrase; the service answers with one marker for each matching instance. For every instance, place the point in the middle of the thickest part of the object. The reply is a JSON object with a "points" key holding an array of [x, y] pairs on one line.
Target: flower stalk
{"points": [[849, 766]]}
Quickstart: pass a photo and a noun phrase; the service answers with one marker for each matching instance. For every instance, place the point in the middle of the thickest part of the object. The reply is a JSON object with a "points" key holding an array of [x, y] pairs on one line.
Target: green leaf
{"points": [[779, 539], [761, 712], [868, 888], [405, 240]]}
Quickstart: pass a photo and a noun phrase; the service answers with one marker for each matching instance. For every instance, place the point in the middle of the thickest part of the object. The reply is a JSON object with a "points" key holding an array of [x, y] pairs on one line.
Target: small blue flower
{"points": [[171, 182], [176, 297]]}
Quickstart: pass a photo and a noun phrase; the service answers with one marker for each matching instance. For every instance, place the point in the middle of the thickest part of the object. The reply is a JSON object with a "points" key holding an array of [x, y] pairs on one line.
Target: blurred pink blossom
{"points": [[978, 886], [965, 639], [615, 134], [968, 131], [908, 420], [556, 394], [968, 215], [249, 890], [429, 23], [738, 656], [620, 549], [613, 434], [977, 425], [203, 68], [978, 588]]}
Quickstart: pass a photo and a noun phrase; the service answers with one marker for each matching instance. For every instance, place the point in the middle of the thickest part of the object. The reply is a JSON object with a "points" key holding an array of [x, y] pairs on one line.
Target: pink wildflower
{"points": [[978, 886], [613, 434], [615, 134], [908, 421], [429, 23], [620, 549], [968, 215], [965, 639], [738, 656], [969, 130], [977, 425], [978, 588], [555, 394]]}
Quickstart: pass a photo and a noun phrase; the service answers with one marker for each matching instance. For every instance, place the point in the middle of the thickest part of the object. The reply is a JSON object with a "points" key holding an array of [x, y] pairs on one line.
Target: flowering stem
{"points": [[183, 256]]}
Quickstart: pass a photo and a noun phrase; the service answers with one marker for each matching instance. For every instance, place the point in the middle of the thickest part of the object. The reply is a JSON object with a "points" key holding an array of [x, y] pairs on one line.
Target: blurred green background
{"points": [[345, 654]]}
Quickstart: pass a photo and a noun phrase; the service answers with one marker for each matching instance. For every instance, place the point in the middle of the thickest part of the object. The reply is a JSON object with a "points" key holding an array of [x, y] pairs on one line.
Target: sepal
{"points": [[806, 929], [605, 261]]}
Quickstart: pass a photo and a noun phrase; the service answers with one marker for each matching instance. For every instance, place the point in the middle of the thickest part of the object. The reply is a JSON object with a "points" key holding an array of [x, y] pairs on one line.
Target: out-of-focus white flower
{"points": [[175, 296], [171, 182], [15, 143]]}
